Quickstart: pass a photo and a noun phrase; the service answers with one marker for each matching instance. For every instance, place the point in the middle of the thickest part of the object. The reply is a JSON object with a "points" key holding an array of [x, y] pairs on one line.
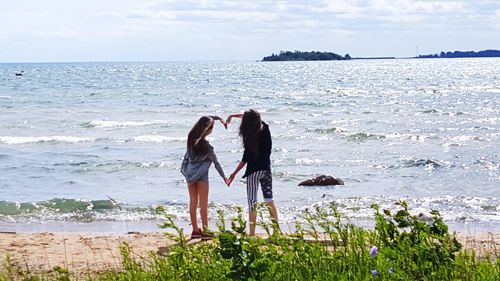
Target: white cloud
{"points": [[62, 34], [347, 8], [156, 27], [252, 16]]}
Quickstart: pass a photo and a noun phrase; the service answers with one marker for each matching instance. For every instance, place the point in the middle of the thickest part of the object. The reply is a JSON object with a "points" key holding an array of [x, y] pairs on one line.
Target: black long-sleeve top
{"points": [[261, 160]]}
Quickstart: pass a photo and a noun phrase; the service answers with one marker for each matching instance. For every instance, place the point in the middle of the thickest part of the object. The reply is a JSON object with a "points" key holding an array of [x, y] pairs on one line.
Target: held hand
{"points": [[228, 120], [216, 117], [230, 180]]}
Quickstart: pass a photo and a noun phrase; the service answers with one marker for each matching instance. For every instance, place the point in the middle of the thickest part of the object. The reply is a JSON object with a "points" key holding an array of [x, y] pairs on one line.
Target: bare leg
{"points": [[252, 218], [193, 204], [203, 199], [274, 212]]}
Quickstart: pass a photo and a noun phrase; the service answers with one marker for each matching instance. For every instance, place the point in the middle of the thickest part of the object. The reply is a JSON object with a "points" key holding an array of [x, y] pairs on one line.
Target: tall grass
{"points": [[322, 247]]}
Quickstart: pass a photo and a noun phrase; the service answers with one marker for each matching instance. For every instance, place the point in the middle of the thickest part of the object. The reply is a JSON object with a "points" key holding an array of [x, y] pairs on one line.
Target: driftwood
{"points": [[322, 180]]}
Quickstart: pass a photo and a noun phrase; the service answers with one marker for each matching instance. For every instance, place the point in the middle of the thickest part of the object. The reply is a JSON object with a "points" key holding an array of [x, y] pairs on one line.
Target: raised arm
{"points": [[216, 117], [237, 115]]}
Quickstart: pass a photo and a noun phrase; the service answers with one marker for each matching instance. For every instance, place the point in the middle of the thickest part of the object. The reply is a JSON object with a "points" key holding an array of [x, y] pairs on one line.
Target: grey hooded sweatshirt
{"points": [[196, 167]]}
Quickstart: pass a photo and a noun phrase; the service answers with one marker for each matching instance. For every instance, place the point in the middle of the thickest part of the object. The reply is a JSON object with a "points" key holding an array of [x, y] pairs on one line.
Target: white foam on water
{"points": [[124, 124], [306, 161], [25, 140], [158, 139]]}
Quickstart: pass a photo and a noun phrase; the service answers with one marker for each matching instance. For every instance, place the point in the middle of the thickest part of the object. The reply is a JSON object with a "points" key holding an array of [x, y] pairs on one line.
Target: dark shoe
{"points": [[196, 234]]}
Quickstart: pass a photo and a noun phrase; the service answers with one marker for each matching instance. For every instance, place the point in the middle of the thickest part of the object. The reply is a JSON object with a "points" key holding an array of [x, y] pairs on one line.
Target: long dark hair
{"points": [[249, 130], [196, 138]]}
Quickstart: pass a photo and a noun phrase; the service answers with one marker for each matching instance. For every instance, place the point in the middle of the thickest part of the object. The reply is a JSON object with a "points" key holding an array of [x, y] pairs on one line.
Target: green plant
{"points": [[418, 248], [322, 247]]}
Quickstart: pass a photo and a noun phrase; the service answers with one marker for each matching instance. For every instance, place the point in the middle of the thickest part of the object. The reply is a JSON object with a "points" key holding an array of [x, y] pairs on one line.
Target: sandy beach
{"points": [[78, 252], [84, 253]]}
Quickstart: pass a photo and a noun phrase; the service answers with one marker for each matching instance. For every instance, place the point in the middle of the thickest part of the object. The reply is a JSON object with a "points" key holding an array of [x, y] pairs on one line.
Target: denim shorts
{"points": [[202, 177]]}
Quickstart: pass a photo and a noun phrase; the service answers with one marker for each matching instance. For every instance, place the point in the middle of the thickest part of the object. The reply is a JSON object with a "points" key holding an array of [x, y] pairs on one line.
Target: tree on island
{"points": [[305, 56], [467, 54]]}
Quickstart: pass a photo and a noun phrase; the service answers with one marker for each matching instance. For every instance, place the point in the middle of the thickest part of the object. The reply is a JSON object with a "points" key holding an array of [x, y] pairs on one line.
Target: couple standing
{"points": [[200, 154]]}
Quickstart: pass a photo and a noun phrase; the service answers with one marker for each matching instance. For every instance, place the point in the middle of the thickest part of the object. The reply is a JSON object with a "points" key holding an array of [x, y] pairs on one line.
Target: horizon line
{"points": [[164, 61]]}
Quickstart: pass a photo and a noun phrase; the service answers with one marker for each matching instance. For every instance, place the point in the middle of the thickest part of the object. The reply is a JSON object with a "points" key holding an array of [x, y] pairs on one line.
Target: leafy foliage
{"points": [[322, 247], [467, 54], [419, 248], [305, 56]]}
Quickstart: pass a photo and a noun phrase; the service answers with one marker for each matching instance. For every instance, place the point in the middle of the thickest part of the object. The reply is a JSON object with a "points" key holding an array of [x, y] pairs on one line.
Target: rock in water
{"points": [[322, 180]]}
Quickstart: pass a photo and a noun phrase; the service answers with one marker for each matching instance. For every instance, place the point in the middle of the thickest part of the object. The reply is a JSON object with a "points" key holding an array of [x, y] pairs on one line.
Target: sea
{"points": [[98, 146]]}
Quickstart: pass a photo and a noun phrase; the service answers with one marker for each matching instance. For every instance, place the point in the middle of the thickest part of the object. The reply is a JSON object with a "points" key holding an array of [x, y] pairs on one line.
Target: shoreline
{"points": [[84, 254], [149, 226], [88, 248]]}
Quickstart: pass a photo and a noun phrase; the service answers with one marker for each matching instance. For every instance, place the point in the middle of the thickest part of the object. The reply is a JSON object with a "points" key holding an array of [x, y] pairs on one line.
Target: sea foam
{"points": [[48, 139]]}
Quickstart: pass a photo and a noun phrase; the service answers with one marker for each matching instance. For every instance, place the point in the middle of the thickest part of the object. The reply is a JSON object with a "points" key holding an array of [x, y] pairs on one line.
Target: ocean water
{"points": [[101, 143]]}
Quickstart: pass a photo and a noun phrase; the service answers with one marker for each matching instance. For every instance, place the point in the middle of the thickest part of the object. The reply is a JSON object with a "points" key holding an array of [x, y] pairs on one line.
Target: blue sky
{"points": [[174, 30]]}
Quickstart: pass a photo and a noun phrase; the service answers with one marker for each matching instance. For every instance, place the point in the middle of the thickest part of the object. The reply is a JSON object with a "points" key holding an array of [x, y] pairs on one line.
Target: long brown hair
{"points": [[249, 130], [196, 138]]}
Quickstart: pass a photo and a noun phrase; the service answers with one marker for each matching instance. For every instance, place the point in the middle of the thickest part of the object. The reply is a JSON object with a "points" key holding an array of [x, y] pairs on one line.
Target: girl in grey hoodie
{"points": [[197, 160]]}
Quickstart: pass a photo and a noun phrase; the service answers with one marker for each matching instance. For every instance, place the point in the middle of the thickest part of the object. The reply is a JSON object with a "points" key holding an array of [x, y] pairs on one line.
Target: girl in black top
{"points": [[257, 143]]}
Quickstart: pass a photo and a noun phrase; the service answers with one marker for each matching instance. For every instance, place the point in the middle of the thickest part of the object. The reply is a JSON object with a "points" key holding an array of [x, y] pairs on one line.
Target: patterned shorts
{"points": [[265, 179]]}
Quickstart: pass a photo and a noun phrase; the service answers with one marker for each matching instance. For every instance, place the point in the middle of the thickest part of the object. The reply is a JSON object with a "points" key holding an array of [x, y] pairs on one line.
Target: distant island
{"points": [[459, 54], [320, 56], [305, 56]]}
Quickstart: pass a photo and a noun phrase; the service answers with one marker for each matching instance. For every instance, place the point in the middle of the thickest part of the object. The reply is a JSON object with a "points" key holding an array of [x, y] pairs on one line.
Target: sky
{"points": [[212, 30]]}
